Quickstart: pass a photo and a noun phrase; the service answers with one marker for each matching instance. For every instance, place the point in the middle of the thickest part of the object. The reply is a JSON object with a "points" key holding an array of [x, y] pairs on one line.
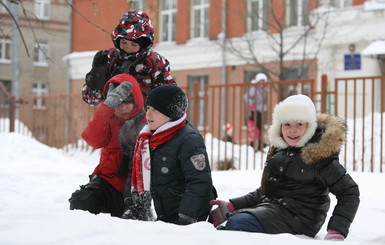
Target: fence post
{"points": [[324, 88], [12, 113], [196, 104]]}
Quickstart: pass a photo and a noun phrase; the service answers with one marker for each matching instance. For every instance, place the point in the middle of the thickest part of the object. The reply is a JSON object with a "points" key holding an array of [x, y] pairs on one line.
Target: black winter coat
{"points": [[181, 183], [294, 193]]}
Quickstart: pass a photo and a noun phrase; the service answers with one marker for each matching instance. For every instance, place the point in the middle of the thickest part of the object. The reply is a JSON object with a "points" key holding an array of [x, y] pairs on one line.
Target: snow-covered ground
{"points": [[36, 182]]}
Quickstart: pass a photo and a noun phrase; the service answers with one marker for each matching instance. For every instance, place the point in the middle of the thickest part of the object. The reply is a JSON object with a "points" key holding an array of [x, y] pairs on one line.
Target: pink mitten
{"points": [[334, 236], [219, 214]]}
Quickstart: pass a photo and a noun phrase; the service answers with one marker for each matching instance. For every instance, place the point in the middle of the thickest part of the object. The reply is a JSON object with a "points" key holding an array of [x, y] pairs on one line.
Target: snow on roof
{"points": [[375, 48], [77, 55]]}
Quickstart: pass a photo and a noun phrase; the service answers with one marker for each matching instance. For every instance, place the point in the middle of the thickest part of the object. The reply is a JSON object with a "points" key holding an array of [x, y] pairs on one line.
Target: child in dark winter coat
{"points": [[301, 169], [170, 164], [132, 37], [121, 114]]}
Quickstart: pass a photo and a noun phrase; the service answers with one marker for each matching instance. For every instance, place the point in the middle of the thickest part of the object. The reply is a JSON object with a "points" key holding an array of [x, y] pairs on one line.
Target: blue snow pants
{"points": [[244, 222]]}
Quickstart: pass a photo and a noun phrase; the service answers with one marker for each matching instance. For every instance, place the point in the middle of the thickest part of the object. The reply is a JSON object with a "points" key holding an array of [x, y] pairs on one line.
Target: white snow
{"points": [[375, 48], [36, 182]]}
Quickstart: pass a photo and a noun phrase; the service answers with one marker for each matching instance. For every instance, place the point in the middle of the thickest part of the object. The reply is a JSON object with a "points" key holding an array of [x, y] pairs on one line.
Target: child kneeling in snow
{"points": [[122, 113], [170, 164]]}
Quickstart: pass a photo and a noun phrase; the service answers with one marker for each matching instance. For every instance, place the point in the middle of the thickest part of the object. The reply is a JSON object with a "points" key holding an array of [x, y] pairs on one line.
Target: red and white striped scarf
{"points": [[141, 164]]}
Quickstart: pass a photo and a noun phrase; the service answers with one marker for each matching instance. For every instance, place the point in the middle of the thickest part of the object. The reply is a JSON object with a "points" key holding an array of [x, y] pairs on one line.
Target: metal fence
{"points": [[361, 102], [58, 120]]}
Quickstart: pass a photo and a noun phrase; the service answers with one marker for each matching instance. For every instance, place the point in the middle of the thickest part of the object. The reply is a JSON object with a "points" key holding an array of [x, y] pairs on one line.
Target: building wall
{"points": [[358, 25], [56, 31], [94, 22]]}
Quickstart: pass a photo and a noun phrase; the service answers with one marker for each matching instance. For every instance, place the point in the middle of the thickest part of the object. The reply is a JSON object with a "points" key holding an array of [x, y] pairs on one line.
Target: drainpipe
{"points": [[224, 73], [67, 60], [15, 54], [223, 35]]}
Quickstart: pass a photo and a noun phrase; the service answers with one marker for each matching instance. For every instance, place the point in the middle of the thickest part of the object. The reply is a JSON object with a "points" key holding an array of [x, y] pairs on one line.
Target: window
{"points": [[7, 85], [5, 50], [199, 21], [203, 81], [43, 9], [138, 5], [168, 20], [39, 89], [297, 12], [258, 17], [341, 3], [40, 53], [295, 73]]}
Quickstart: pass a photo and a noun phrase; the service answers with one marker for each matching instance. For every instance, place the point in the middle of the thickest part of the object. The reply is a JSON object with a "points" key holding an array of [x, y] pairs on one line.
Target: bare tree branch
{"points": [[17, 24], [281, 41], [85, 18]]}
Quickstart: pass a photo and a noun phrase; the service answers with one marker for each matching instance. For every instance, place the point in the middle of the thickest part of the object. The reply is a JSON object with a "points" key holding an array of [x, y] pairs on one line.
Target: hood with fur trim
{"points": [[327, 140]]}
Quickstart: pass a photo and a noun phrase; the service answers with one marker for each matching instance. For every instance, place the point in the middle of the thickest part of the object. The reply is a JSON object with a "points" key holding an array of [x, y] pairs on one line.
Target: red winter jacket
{"points": [[103, 132]]}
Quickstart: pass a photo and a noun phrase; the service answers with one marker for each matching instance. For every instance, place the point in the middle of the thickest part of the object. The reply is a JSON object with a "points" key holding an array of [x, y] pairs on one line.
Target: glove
{"points": [[138, 207], [130, 210], [219, 214], [98, 76], [334, 236], [118, 95]]}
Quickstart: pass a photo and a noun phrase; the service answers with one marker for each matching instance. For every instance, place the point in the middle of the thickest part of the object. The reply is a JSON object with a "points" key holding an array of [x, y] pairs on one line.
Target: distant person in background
{"points": [[121, 114], [254, 99], [301, 169], [228, 132], [133, 38]]}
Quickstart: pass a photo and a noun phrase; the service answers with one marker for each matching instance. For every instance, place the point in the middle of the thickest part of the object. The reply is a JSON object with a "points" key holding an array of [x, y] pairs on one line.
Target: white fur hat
{"points": [[293, 108], [260, 77]]}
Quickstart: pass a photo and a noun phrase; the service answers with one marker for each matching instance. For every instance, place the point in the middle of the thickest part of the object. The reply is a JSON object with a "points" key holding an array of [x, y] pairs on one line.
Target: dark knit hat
{"points": [[169, 99]]}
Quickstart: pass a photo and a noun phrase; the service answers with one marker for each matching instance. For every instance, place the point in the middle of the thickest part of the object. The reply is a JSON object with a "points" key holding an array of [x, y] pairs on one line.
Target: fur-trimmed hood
{"points": [[327, 140]]}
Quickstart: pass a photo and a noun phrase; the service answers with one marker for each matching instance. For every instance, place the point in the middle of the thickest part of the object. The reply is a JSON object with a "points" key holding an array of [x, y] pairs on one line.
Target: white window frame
{"points": [[139, 5], [39, 89], [301, 6], [41, 53], [168, 16], [201, 7], [43, 9], [340, 4], [262, 15], [5, 50]]}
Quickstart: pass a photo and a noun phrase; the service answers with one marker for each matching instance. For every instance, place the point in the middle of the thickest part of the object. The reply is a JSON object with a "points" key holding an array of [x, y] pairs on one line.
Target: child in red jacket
{"points": [[122, 113]]}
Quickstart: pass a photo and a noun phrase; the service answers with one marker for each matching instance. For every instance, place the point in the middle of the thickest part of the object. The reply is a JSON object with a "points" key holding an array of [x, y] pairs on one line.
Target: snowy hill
{"points": [[36, 182]]}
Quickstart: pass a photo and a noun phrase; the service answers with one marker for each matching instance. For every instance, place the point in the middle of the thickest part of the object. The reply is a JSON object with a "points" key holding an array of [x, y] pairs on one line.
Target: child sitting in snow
{"points": [[301, 169], [170, 159], [120, 116]]}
